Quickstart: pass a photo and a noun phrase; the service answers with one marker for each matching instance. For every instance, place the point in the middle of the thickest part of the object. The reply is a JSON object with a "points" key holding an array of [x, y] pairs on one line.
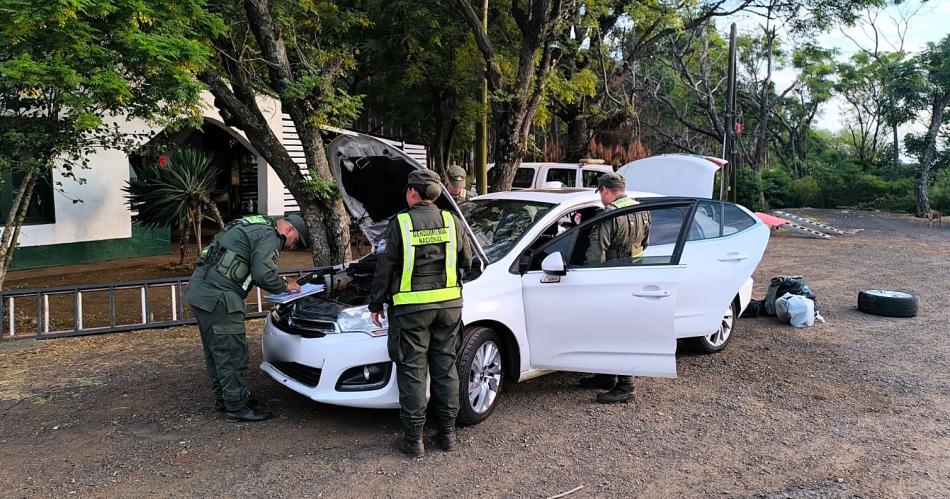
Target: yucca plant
{"points": [[176, 193]]}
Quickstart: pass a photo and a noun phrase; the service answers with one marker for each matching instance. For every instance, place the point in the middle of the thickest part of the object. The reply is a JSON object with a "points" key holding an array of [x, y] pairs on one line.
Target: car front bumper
{"points": [[313, 366]]}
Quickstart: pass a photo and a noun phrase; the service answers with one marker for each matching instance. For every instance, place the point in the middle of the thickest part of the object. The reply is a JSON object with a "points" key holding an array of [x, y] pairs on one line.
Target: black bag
{"points": [[780, 285]]}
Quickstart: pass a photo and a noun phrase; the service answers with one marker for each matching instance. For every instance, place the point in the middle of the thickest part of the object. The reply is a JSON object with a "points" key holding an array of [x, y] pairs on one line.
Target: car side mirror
{"points": [[553, 264]]}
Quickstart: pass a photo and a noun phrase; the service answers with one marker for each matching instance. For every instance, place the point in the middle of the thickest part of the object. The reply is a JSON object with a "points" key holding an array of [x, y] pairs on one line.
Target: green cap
{"points": [[612, 181], [302, 230], [426, 183], [456, 176]]}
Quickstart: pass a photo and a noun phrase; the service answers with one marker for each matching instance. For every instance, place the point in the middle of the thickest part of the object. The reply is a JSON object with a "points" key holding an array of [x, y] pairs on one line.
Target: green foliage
{"points": [[777, 186], [749, 189], [170, 194], [319, 189], [65, 65]]}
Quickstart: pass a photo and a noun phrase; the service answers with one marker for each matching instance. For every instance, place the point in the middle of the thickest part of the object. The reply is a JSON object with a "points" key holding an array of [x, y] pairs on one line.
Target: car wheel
{"points": [[887, 303], [718, 340], [481, 372]]}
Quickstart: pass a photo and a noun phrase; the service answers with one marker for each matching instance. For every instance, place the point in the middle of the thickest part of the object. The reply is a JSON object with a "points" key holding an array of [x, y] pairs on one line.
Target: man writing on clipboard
{"points": [[245, 253]]}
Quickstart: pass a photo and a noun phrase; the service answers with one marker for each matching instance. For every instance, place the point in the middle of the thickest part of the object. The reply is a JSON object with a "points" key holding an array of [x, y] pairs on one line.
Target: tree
{"points": [[175, 193], [293, 52], [516, 84], [934, 93], [414, 66], [67, 65]]}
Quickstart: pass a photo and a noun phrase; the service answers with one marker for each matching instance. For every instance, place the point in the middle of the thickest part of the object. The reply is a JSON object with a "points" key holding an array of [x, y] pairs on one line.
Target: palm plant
{"points": [[176, 193]]}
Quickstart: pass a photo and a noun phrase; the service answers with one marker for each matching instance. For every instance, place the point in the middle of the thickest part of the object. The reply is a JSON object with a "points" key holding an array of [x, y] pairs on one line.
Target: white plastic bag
{"points": [[796, 310]]}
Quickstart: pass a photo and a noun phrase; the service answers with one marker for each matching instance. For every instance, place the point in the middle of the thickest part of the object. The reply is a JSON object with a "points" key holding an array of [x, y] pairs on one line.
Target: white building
{"points": [[60, 231]]}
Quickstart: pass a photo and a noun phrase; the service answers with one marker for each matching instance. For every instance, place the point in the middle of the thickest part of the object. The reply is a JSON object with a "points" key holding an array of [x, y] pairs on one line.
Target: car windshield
{"points": [[498, 224]]}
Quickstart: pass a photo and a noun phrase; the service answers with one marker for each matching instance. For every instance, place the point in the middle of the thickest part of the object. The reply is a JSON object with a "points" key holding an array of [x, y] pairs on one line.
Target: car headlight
{"points": [[360, 320]]}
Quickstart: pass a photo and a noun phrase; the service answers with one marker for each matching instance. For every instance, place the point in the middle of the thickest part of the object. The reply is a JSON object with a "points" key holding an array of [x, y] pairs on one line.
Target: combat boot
{"points": [[598, 381], [619, 394], [248, 415], [411, 444], [446, 439]]}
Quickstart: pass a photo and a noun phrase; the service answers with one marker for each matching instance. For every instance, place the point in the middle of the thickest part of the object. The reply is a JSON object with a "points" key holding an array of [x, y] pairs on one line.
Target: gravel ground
{"points": [[856, 407]]}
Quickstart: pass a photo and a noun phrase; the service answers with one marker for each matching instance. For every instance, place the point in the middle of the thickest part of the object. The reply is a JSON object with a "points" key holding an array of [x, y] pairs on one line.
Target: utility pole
{"points": [[728, 178], [481, 128]]}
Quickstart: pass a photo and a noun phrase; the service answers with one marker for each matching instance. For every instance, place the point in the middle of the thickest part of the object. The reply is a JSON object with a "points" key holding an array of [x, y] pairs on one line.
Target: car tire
{"points": [[481, 374], [718, 340], [888, 303]]}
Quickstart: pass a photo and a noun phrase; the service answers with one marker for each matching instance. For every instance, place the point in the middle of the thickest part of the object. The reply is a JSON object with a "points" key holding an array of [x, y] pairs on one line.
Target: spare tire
{"points": [[888, 303]]}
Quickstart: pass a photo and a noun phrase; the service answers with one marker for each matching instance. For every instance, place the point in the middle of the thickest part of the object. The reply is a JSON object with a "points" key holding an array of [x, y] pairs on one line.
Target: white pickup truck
{"points": [[544, 175]]}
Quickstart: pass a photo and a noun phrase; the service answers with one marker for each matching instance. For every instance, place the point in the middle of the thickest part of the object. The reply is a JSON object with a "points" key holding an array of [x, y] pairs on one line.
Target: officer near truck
{"points": [[243, 254], [418, 276], [614, 239]]}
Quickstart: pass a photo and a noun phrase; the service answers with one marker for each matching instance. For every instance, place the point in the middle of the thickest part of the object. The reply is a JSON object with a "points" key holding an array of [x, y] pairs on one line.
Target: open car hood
{"points": [[372, 175]]}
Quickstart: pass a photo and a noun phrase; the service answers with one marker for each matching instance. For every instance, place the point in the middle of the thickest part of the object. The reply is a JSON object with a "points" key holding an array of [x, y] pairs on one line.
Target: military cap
{"points": [[456, 176], [612, 181], [302, 230], [426, 183]]}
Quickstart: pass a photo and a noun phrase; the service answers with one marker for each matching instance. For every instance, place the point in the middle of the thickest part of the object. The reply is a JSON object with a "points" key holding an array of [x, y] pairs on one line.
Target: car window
{"points": [[566, 176], [590, 177], [735, 219], [707, 222], [498, 224], [644, 236], [524, 178]]}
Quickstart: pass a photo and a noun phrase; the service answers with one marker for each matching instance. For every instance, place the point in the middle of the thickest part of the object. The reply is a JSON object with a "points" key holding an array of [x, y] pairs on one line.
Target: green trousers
{"points": [[225, 348], [422, 342]]}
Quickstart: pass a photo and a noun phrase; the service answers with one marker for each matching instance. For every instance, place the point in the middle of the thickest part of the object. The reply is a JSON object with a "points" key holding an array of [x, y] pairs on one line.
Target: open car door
{"points": [[614, 316]]}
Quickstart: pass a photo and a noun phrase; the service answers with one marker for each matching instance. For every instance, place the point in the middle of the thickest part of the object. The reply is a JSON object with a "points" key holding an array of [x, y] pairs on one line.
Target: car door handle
{"points": [[652, 293], [733, 257]]}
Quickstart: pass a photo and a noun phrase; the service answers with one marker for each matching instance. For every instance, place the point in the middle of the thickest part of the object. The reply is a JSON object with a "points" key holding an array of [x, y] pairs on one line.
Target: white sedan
{"points": [[534, 306]]}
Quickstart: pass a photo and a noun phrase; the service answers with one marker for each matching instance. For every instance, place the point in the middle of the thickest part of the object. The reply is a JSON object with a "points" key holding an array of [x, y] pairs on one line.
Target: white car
{"points": [[534, 306], [541, 175]]}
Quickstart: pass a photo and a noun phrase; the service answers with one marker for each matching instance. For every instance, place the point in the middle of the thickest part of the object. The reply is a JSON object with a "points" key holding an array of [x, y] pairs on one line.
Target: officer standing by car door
{"points": [[418, 274], [456, 184], [245, 252], [613, 239]]}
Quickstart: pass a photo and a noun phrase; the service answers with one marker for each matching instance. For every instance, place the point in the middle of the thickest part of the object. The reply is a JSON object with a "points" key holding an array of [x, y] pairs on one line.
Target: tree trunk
{"points": [[927, 158], [11, 229], [184, 228], [577, 145]]}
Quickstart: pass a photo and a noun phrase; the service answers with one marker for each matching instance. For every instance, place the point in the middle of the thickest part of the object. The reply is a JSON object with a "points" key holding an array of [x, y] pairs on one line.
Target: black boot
{"points": [[221, 407], [248, 415], [446, 440], [598, 381], [411, 444], [621, 393]]}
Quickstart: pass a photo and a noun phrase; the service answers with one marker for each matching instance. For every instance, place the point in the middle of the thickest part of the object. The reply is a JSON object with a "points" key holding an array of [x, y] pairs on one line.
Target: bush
{"points": [[777, 186], [806, 192], [749, 189]]}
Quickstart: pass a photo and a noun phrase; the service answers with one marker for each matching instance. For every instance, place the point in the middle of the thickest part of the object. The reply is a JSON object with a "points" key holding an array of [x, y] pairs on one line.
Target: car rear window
{"points": [[524, 178], [734, 219], [590, 177], [566, 176]]}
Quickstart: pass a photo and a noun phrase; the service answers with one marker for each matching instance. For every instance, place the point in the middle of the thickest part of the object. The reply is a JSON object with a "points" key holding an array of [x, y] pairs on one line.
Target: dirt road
{"points": [[859, 406]]}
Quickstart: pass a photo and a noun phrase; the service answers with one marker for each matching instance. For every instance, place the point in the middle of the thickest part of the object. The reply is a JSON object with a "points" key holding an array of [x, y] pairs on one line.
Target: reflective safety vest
{"points": [[410, 240]]}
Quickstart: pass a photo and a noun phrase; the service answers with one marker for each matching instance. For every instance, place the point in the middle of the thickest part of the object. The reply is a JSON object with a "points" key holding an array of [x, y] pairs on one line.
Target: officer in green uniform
{"points": [[456, 184], [245, 253], [418, 274], [616, 238]]}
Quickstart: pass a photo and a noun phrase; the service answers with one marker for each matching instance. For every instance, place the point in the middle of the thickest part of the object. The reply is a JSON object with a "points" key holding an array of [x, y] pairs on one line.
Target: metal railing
{"points": [[40, 319]]}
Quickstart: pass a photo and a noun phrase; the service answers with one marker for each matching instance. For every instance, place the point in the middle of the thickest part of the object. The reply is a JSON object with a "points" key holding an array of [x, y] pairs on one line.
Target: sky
{"points": [[929, 24]]}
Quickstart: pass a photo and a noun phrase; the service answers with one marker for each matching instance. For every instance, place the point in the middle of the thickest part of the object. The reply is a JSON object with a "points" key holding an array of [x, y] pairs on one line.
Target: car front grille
{"points": [[309, 328], [306, 375]]}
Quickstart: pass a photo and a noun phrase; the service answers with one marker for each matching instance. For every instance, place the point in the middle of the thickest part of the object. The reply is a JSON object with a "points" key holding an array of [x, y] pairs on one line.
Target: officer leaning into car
{"points": [[418, 274], [244, 253], [455, 184], [614, 239]]}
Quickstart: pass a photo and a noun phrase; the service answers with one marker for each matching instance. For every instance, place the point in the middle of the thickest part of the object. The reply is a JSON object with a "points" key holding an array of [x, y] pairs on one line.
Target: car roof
{"points": [[557, 196], [582, 166]]}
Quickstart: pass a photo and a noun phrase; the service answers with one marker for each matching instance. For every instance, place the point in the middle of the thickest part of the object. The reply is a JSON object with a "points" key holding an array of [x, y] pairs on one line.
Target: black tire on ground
{"points": [[490, 373], [888, 303], [714, 342]]}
